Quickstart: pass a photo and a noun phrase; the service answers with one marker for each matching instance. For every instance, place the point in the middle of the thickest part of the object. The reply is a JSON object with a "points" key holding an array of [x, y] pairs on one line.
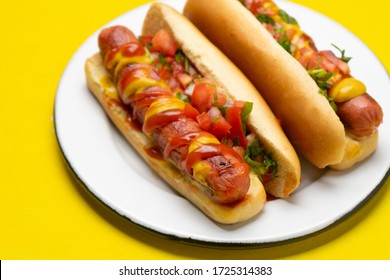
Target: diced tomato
{"points": [[261, 7], [164, 72], [330, 62], [221, 99], [190, 111], [233, 117], [164, 43], [184, 79], [238, 103], [219, 127], [204, 121], [291, 33], [146, 41], [203, 96], [308, 58]]}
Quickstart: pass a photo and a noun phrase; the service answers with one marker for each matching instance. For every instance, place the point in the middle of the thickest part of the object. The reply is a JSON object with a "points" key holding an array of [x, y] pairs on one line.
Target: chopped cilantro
{"points": [[163, 62], [179, 56], [331, 101], [270, 163], [263, 167], [283, 39], [321, 77], [344, 58], [287, 18], [286, 44], [254, 149], [265, 19], [257, 167]]}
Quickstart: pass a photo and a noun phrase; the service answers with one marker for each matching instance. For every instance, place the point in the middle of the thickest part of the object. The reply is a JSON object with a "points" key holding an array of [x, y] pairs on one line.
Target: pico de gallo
{"points": [[160, 62]]}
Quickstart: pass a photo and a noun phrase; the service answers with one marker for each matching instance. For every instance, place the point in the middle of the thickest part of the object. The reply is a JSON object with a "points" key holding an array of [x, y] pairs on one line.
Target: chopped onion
{"points": [[190, 89]]}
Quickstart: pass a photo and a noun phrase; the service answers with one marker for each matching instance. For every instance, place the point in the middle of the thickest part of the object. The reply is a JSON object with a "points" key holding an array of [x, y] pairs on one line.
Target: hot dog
{"points": [[170, 91], [326, 112]]}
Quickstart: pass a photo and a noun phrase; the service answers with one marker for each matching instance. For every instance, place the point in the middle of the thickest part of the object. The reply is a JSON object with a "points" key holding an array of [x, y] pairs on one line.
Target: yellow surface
{"points": [[45, 214]]}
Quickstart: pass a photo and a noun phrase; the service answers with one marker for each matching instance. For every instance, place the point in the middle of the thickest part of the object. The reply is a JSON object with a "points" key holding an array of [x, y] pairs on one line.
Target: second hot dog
{"points": [[326, 113]]}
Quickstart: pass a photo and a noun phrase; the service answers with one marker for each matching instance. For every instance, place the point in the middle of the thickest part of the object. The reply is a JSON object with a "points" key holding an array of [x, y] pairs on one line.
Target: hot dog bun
{"points": [[309, 122], [104, 90], [212, 63]]}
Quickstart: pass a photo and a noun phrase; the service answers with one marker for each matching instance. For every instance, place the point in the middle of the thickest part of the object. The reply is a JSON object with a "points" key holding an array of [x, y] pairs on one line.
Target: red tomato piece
{"points": [[233, 117], [221, 99], [239, 104], [261, 7], [204, 121], [203, 96], [164, 43], [184, 79], [164, 72], [146, 41], [190, 111], [219, 127], [330, 62]]}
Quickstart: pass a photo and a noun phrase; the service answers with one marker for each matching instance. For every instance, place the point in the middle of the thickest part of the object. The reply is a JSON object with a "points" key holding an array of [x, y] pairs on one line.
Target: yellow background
{"points": [[45, 214]]}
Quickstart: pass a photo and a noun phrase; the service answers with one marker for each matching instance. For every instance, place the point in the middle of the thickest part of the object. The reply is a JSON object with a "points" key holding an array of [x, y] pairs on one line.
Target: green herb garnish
{"points": [[180, 57], [344, 58], [286, 44], [255, 151], [265, 19], [287, 18], [163, 62], [270, 163], [321, 77], [330, 100], [283, 39]]}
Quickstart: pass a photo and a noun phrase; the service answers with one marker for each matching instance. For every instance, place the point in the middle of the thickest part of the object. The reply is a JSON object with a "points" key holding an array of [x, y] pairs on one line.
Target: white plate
{"points": [[108, 166]]}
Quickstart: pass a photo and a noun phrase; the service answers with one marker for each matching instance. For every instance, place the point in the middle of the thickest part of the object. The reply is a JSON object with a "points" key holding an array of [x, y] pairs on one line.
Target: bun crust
{"points": [[356, 150], [99, 83], [212, 63], [309, 122]]}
